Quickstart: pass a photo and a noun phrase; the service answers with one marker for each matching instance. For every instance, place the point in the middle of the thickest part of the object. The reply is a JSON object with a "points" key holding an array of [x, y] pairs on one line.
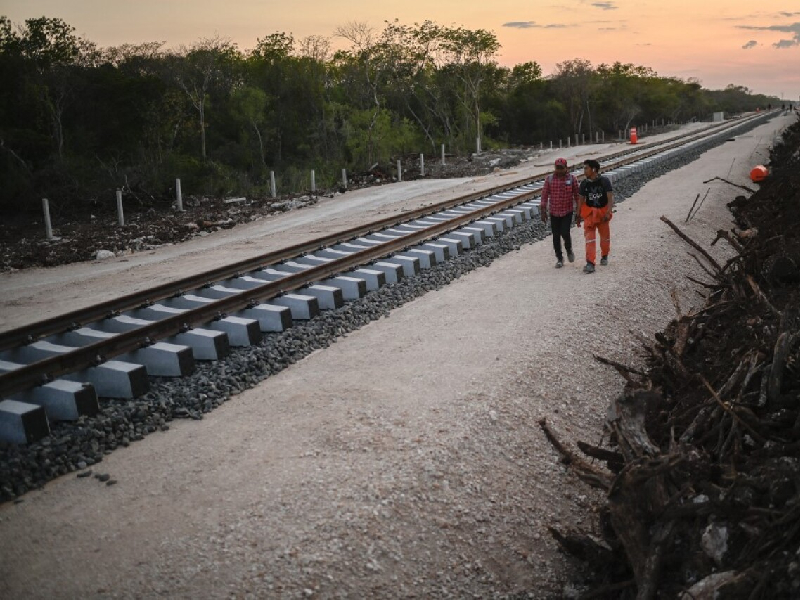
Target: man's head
{"points": [[591, 167], [561, 165]]}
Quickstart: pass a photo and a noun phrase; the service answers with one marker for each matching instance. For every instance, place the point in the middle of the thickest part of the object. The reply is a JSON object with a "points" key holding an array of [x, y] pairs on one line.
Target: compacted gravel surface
{"points": [[403, 461]]}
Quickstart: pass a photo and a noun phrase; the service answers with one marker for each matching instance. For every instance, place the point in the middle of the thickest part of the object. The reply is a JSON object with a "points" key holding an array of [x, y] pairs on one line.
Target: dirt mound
{"points": [[703, 475]]}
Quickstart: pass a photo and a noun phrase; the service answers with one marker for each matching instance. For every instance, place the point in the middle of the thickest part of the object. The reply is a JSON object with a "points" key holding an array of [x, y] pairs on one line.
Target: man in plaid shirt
{"points": [[559, 198]]}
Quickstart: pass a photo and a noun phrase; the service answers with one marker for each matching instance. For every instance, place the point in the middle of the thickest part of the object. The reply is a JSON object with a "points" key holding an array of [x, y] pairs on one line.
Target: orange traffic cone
{"points": [[634, 136]]}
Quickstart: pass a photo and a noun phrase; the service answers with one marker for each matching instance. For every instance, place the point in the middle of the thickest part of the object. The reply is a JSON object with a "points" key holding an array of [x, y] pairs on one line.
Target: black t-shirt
{"points": [[596, 192]]}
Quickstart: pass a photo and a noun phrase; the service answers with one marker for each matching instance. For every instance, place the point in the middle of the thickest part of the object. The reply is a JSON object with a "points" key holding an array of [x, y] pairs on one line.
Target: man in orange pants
{"points": [[595, 201]]}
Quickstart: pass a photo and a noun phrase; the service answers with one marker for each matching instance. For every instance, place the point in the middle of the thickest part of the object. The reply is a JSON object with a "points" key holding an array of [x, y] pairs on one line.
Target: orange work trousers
{"points": [[594, 222]]}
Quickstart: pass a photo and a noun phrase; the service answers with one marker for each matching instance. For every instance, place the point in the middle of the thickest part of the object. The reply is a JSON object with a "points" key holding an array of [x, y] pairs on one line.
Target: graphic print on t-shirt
{"points": [[595, 192]]}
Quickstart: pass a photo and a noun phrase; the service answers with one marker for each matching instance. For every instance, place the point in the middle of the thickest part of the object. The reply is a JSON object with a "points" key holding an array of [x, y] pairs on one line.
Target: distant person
{"points": [[559, 198], [595, 202]]}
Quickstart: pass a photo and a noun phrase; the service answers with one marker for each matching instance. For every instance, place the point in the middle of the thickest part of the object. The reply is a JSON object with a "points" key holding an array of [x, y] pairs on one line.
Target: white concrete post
{"points": [[344, 178], [551, 144], [313, 182], [399, 171], [421, 164], [178, 195], [559, 143], [442, 154], [603, 136], [120, 215], [48, 226], [477, 145], [272, 188], [569, 142]]}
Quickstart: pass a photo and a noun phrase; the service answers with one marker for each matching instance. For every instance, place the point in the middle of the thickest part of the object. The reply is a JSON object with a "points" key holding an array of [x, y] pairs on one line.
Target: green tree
{"points": [[573, 81], [198, 68], [619, 90], [56, 53], [471, 54], [250, 104], [528, 111], [294, 85], [363, 70], [419, 88]]}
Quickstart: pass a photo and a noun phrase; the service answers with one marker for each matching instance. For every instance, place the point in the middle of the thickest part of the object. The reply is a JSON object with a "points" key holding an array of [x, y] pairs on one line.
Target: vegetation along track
{"points": [[59, 426]]}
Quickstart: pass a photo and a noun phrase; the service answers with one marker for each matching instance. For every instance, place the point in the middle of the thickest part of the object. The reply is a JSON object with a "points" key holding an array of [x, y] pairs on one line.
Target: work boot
{"points": [[570, 256], [604, 261], [589, 268], [559, 264]]}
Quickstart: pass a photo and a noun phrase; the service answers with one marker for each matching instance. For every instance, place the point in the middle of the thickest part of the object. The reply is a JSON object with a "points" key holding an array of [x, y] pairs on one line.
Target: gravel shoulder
{"points": [[404, 461]]}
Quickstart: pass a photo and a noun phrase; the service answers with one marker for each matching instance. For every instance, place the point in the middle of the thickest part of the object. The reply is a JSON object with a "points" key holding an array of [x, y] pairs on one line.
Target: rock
{"points": [[103, 254], [715, 542]]}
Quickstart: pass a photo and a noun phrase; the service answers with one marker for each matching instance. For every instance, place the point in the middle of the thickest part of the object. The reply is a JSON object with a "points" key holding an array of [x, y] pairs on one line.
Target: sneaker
{"points": [[604, 261], [570, 256], [559, 264], [589, 268]]}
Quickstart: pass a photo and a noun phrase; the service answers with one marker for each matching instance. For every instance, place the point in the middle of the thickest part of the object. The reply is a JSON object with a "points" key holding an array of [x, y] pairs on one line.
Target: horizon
{"points": [[722, 43]]}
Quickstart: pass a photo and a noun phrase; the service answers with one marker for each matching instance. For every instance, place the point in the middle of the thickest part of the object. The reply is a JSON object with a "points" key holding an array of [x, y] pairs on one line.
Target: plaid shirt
{"points": [[561, 196]]}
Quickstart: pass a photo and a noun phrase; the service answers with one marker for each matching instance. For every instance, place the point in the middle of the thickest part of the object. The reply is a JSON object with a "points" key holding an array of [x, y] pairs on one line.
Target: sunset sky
{"points": [[749, 43]]}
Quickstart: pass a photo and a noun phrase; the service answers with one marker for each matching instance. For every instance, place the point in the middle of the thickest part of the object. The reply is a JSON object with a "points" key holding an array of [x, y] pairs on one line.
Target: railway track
{"points": [[58, 370]]}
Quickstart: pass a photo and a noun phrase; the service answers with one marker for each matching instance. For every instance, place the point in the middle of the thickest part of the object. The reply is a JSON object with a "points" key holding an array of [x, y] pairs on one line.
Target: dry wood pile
{"points": [[703, 474]]}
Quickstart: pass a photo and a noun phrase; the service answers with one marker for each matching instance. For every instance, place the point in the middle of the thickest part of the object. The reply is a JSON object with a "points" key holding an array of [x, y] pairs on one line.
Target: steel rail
{"points": [[42, 371], [30, 333]]}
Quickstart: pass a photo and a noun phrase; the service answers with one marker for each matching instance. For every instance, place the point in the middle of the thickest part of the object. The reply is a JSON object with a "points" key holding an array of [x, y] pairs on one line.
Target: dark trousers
{"points": [[561, 227]]}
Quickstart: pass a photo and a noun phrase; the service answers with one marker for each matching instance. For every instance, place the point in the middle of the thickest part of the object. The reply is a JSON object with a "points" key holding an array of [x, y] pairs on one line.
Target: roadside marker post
{"points": [[120, 214], [48, 226]]}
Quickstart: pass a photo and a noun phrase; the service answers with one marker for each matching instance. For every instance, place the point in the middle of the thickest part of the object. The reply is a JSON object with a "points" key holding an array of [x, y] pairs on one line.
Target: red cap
{"points": [[561, 162]]}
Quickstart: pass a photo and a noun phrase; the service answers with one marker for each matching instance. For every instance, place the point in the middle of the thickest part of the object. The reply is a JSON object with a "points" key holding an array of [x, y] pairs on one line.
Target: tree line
{"points": [[78, 121]]}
